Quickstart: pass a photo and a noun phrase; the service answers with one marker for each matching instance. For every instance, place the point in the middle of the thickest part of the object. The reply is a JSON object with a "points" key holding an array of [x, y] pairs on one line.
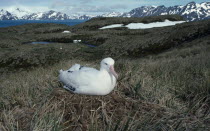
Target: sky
{"points": [[91, 7]]}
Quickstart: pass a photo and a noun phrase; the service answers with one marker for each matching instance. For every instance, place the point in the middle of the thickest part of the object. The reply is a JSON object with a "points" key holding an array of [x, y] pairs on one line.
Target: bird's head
{"points": [[108, 65]]}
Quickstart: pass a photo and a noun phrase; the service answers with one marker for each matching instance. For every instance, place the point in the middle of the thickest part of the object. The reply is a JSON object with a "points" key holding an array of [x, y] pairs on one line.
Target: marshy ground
{"points": [[164, 81]]}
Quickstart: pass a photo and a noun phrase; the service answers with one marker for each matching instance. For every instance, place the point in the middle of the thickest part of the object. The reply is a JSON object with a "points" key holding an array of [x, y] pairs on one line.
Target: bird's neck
{"points": [[102, 69], [107, 75]]}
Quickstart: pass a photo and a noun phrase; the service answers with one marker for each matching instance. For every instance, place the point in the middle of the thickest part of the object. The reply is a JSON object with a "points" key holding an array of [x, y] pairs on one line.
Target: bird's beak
{"points": [[113, 71]]}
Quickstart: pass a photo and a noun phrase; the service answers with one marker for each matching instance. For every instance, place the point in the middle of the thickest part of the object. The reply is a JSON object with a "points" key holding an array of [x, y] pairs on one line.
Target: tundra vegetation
{"points": [[164, 76]]}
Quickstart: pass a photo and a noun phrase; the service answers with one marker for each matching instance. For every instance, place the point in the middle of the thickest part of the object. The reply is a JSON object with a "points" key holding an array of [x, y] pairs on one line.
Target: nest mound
{"points": [[111, 111]]}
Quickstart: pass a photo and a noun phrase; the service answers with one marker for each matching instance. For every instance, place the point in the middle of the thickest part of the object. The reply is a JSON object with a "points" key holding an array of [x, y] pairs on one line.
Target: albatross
{"points": [[90, 81]]}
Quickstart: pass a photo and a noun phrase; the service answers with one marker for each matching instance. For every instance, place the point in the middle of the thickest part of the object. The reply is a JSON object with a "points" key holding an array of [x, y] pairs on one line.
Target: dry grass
{"points": [[170, 91]]}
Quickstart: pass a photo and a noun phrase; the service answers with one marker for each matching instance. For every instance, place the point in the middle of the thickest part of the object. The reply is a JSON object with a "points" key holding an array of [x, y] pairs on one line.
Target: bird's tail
{"points": [[60, 71]]}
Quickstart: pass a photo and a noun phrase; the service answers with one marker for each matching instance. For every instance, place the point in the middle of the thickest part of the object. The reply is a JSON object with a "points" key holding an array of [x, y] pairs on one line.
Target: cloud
{"points": [[64, 3], [87, 10], [30, 9], [85, 1], [58, 3], [119, 6], [82, 7], [97, 9]]}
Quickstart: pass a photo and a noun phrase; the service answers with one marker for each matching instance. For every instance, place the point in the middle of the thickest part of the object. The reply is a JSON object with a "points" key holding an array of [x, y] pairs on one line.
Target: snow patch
{"points": [[112, 26], [152, 25], [145, 26]]}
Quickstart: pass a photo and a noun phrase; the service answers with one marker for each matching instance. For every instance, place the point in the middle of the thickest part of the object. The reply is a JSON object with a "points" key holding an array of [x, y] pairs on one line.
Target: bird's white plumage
{"points": [[90, 81], [77, 67]]}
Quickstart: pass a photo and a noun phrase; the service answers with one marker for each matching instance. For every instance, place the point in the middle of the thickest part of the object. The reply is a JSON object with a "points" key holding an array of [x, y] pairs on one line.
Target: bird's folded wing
{"points": [[83, 77], [75, 67]]}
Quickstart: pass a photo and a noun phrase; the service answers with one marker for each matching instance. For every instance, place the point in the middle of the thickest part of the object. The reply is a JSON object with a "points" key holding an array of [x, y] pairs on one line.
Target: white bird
{"points": [[90, 81], [75, 41], [66, 31], [75, 67], [78, 67]]}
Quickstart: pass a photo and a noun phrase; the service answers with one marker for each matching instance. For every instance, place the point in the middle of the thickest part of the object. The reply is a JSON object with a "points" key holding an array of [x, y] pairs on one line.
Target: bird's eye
{"points": [[106, 64]]}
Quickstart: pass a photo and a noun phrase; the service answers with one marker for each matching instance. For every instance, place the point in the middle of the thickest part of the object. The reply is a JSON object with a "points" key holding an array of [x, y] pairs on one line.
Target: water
{"points": [[90, 45], [41, 42], [7, 23], [46, 42]]}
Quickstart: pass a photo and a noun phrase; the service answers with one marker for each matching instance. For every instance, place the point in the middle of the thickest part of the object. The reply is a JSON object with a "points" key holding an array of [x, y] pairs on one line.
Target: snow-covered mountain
{"points": [[5, 15], [191, 12], [85, 17], [194, 11], [111, 14], [49, 15], [19, 12]]}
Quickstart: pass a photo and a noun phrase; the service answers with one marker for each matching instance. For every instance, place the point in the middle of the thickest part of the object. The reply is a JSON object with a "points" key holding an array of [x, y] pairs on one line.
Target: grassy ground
{"points": [[16, 52], [168, 91], [164, 81]]}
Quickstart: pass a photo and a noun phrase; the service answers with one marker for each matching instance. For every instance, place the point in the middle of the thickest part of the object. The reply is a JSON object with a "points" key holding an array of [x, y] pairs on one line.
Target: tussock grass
{"points": [[169, 91], [164, 81], [27, 96]]}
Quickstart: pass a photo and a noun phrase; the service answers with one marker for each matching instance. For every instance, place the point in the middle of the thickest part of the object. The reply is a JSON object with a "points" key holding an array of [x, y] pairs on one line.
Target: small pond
{"points": [[46, 42], [40, 42], [90, 45]]}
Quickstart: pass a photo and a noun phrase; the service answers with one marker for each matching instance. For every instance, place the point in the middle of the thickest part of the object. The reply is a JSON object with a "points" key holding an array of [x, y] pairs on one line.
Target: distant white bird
{"points": [[75, 41], [90, 81], [66, 31]]}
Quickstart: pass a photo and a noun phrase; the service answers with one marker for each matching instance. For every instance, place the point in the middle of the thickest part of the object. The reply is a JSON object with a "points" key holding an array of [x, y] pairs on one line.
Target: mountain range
{"points": [[190, 12]]}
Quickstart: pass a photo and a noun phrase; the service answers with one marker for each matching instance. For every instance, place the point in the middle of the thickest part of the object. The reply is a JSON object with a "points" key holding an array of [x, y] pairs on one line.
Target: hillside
{"points": [[164, 76]]}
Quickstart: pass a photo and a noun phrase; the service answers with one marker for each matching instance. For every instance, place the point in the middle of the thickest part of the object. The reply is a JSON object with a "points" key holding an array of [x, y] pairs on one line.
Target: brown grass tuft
{"points": [[162, 92]]}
